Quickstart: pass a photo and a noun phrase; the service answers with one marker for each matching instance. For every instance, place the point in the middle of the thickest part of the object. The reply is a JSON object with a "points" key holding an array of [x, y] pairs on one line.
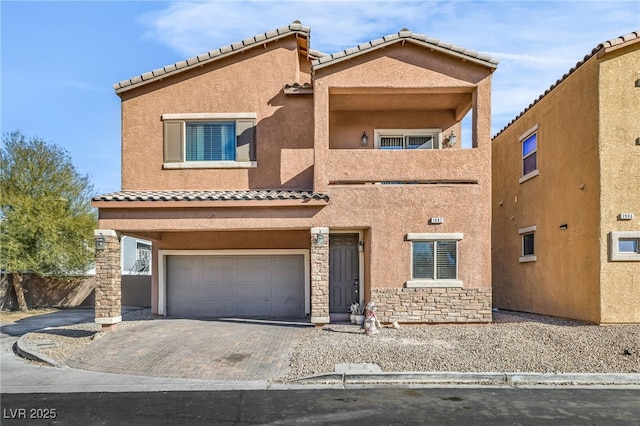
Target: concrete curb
{"points": [[29, 351], [488, 378]]}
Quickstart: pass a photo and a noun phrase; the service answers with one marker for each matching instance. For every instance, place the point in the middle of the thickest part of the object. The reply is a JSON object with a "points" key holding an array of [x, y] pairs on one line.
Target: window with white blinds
{"points": [[214, 141], [395, 139], [209, 140], [435, 260]]}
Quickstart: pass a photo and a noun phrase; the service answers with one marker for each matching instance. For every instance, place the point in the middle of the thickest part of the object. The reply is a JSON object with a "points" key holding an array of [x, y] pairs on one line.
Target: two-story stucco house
{"points": [[275, 180], [566, 194]]}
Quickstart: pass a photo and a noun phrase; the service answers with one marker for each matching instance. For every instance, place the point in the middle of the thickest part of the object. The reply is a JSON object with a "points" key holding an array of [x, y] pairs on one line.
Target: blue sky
{"points": [[59, 60]]}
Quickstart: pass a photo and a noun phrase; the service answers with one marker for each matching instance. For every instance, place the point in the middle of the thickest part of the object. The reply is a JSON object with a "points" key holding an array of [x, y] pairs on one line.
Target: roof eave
{"points": [[318, 64], [207, 204], [203, 59]]}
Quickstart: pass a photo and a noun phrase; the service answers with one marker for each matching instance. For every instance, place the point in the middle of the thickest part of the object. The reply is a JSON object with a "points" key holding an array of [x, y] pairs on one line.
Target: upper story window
{"points": [[434, 260], [528, 244], [209, 140], [529, 142], [393, 139]]}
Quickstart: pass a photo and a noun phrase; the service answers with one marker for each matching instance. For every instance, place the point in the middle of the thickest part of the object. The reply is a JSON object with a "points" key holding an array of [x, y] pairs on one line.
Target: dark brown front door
{"points": [[343, 272]]}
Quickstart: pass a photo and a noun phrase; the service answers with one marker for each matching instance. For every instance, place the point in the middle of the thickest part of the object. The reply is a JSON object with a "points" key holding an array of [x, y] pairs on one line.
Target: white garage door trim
{"points": [[162, 269]]}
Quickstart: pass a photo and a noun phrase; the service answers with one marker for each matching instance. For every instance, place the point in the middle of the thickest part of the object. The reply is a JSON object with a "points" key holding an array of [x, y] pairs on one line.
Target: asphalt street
{"points": [[364, 406]]}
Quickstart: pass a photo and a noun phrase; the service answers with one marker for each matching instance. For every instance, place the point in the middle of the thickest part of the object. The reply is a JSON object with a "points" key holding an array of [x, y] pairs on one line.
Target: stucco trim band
{"points": [[433, 283], [434, 236], [211, 165], [210, 116]]}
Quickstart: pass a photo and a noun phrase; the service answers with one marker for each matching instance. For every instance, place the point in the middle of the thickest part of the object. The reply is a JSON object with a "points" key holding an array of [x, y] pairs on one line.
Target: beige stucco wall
{"points": [[392, 211], [564, 281], [294, 151], [251, 81], [620, 177]]}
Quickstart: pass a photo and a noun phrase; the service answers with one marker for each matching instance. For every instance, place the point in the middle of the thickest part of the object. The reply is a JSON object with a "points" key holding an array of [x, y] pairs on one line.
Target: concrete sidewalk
{"points": [[176, 354]]}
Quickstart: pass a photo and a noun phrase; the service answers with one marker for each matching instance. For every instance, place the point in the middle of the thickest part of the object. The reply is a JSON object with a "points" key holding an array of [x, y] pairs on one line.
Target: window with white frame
{"points": [[625, 246], [529, 146], [434, 260], [528, 235], [395, 139], [209, 140]]}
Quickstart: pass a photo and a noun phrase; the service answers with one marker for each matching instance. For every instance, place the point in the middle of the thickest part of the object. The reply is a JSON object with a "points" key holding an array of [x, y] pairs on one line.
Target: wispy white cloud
{"points": [[535, 41]]}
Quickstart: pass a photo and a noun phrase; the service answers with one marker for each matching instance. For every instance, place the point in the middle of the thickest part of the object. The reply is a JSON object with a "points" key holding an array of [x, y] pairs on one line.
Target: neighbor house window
{"points": [[434, 260], [209, 140], [528, 236], [143, 257], [395, 139], [529, 145], [625, 246]]}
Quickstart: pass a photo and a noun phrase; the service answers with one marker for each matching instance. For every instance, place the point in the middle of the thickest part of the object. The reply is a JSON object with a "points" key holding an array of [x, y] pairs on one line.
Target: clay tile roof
{"points": [[406, 35], [246, 195], [600, 49], [294, 28]]}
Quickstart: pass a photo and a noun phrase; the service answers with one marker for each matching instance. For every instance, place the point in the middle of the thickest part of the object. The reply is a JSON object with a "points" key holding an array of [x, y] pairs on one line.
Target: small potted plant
{"points": [[355, 310], [357, 313]]}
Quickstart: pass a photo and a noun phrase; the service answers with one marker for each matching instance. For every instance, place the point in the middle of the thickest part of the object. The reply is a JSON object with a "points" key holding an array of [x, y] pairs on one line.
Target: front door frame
{"points": [[360, 234]]}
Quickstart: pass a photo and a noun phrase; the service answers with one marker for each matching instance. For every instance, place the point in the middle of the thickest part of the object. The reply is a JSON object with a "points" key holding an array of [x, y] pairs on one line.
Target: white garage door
{"points": [[235, 285]]}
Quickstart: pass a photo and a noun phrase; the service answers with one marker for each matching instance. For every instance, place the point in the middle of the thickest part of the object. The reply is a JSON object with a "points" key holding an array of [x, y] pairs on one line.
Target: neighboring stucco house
{"points": [[566, 194], [274, 180]]}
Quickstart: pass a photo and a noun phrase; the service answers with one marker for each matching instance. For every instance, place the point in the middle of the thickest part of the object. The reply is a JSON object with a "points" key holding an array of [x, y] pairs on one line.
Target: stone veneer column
{"points": [[108, 302], [320, 276]]}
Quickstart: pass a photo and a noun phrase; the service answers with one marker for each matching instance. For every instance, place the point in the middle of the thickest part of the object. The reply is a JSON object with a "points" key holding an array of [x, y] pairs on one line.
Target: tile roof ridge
{"points": [[211, 195], [626, 38], [295, 27], [406, 34]]}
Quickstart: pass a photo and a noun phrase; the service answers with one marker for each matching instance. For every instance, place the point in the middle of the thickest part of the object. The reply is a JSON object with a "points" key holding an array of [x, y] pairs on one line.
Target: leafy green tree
{"points": [[46, 219]]}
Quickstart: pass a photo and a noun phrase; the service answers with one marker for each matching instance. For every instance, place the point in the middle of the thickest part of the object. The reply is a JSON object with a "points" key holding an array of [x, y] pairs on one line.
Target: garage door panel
{"points": [[212, 308], [218, 262], [235, 285], [284, 261], [285, 276], [252, 294], [219, 277], [219, 293], [253, 262], [184, 263]]}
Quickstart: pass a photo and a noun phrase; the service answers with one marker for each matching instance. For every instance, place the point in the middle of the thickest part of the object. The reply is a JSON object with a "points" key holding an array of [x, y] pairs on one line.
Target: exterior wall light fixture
{"points": [[101, 243], [320, 239], [364, 139], [361, 246]]}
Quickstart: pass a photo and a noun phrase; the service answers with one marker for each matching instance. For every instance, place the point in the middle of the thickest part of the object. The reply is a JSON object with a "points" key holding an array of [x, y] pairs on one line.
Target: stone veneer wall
{"points": [[432, 305], [108, 293], [320, 277]]}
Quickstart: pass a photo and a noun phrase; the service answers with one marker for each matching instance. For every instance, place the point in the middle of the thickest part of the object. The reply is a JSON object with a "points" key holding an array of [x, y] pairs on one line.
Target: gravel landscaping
{"points": [[514, 342]]}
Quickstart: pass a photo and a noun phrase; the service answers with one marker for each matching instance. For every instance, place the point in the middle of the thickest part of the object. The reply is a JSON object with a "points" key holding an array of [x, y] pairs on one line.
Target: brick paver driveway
{"points": [[195, 349]]}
